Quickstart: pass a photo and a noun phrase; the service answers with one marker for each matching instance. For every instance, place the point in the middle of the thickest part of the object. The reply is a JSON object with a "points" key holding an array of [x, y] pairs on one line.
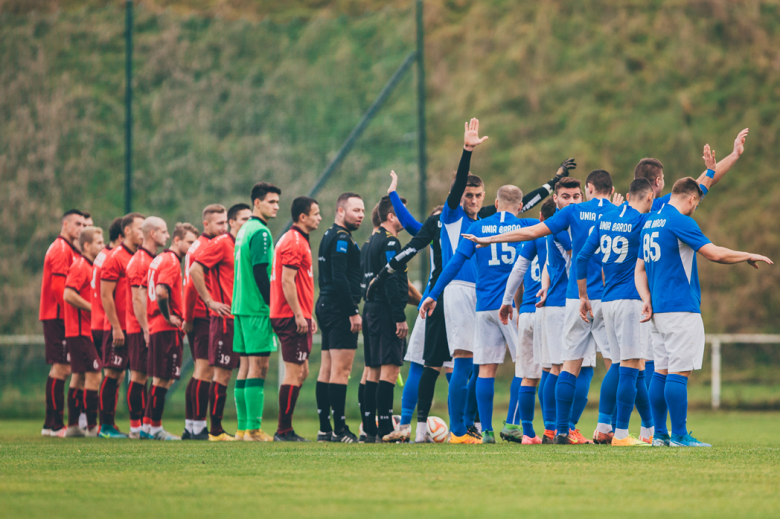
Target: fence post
{"points": [[421, 136], [128, 106], [716, 372]]}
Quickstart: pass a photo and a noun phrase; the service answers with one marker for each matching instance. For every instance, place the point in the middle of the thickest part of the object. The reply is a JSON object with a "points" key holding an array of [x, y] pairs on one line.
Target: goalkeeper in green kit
{"points": [[253, 337]]}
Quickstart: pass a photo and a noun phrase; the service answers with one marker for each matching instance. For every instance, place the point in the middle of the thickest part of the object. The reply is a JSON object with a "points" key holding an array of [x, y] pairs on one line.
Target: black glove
{"points": [[377, 280], [566, 165]]}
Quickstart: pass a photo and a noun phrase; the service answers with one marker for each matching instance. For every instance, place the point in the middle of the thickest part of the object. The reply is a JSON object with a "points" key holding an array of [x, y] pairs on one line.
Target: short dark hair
{"points": [[474, 181], [213, 209], [343, 197], [115, 230], [261, 189], [70, 212], [687, 186], [129, 218], [301, 205], [180, 230], [86, 214], [437, 209], [375, 221], [88, 235], [385, 208], [601, 181], [548, 208], [237, 208], [567, 183], [640, 187], [649, 168]]}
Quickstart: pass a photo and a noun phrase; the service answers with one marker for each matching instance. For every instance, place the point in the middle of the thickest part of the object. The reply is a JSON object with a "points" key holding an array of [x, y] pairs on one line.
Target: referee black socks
{"points": [[323, 406], [384, 404], [425, 393], [369, 408]]}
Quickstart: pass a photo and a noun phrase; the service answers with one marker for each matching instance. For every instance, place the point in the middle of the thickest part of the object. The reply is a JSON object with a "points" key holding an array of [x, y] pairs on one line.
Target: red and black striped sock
{"points": [[91, 407], [157, 402], [218, 396], [135, 402], [74, 405], [189, 400], [108, 394], [58, 416], [49, 403], [201, 392], [288, 395]]}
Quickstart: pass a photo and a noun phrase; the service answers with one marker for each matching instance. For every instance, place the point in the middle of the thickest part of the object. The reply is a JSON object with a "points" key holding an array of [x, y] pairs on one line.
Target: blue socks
{"points": [[643, 401], [485, 387], [526, 399], [649, 370], [549, 402], [658, 403], [608, 395], [513, 414], [581, 395], [471, 404], [564, 397], [676, 394], [458, 394], [545, 374], [409, 398], [626, 395]]}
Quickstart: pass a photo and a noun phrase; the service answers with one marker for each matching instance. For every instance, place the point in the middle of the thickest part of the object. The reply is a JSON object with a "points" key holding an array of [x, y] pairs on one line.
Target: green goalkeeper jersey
{"points": [[254, 246]]}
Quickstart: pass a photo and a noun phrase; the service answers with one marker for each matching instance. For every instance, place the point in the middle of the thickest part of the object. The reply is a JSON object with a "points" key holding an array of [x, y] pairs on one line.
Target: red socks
{"points": [[288, 395], [217, 398]]}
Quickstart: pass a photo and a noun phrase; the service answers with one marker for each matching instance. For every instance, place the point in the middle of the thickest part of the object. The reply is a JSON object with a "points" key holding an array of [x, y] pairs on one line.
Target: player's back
{"points": [[618, 237], [532, 281], [456, 222], [494, 263], [669, 244]]}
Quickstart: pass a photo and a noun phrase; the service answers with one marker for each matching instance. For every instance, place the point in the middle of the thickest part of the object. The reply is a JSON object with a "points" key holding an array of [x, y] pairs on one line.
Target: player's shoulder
{"points": [[391, 242], [449, 215]]}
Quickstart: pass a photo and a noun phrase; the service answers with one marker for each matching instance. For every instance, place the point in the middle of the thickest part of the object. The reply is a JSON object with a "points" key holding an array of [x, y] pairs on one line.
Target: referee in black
{"points": [[338, 316], [385, 320]]}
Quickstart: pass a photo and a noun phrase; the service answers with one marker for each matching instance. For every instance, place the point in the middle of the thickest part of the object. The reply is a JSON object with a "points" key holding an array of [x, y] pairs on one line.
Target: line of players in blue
{"points": [[607, 275]]}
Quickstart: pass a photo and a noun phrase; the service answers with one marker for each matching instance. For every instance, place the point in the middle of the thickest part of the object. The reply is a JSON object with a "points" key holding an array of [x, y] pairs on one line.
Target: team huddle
{"points": [[602, 275]]}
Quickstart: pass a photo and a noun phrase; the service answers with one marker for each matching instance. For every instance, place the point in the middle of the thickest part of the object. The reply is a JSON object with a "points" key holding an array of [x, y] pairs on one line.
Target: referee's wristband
{"points": [[711, 173]]}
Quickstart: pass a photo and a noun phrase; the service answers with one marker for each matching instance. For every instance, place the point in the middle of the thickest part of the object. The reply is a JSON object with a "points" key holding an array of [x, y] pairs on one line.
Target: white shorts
{"points": [[541, 355], [493, 338], [624, 333], [460, 315], [552, 333], [646, 337], [581, 340], [525, 366], [681, 341], [414, 350]]}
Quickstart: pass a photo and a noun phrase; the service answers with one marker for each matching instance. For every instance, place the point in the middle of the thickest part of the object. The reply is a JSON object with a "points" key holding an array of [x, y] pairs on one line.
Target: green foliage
{"points": [[221, 104]]}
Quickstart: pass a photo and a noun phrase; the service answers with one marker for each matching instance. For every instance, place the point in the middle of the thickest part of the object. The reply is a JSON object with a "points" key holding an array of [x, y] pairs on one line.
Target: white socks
{"points": [[647, 432], [604, 428], [422, 432], [198, 426], [188, 424], [621, 434]]}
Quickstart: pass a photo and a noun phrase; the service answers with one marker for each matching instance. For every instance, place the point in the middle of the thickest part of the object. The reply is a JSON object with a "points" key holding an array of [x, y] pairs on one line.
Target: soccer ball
{"points": [[438, 429]]}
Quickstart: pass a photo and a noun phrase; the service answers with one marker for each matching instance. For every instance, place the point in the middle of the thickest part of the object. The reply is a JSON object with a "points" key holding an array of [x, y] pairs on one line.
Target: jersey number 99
{"points": [[618, 245]]}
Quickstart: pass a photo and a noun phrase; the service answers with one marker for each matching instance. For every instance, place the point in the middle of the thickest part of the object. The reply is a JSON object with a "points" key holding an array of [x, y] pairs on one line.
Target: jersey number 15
{"points": [[507, 254]]}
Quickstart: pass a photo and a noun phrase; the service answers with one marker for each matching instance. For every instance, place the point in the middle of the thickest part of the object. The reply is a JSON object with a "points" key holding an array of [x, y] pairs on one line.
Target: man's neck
{"points": [[677, 204], [599, 196], [340, 223], [258, 214], [65, 237], [89, 257], [386, 226], [150, 246], [129, 246], [304, 229]]}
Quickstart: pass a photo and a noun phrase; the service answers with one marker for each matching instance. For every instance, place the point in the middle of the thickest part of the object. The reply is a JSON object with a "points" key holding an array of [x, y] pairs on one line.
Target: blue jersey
{"points": [[617, 236], [558, 248], [669, 244], [534, 251], [494, 263], [580, 219], [454, 223], [658, 203]]}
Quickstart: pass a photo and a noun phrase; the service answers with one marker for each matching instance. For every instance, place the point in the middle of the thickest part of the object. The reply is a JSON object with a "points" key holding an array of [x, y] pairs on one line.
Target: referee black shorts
{"points": [[335, 326], [385, 347], [436, 350]]}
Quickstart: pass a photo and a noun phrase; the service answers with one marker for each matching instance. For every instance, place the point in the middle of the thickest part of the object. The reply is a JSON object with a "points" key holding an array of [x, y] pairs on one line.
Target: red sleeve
{"points": [[290, 255], [209, 255], [61, 260], [168, 274], [76, 277], [134, 272], [110, 270]]}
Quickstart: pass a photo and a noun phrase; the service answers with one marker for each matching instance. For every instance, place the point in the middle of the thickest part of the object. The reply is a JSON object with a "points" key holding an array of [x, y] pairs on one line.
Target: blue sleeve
{"points": [[467, 247], [541, 251], [448, 274], [704, 188], [687, 231], [588, 250], [564, 239], [411, 225], [559, 221], [528, 251]]}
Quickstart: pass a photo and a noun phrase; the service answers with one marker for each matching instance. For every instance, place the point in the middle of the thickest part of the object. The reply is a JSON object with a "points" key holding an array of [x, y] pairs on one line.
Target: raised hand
{"points": [[755, 258], [709, 157], [393, 182], [471, 138], [739, 142], [566, 165], [617, 198]]}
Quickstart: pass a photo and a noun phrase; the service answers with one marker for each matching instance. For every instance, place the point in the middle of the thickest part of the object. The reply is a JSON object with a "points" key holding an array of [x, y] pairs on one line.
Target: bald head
{"points": [[155, 233], [509, 199], [153, 223]]}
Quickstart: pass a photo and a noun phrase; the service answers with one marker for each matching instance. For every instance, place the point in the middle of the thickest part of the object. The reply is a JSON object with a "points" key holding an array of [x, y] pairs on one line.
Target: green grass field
{"points": [[46, 477]]}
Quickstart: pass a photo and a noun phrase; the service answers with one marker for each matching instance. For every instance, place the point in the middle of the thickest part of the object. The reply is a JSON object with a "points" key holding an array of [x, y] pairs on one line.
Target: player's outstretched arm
{"points": [[451, 270], [410, 224], [524, 234], [727, 256], [643, 287], [537, 195], [471, 140], [725, 163]]}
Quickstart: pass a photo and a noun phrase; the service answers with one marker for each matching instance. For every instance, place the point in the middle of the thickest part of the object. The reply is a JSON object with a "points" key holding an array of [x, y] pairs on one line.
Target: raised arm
{"points": [[727, 256], [410, 224], [725, 163], [471, 140], [540, 193]]}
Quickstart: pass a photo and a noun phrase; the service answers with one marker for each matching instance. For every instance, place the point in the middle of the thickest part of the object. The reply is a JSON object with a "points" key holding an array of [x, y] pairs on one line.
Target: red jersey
{"points": [[194, 307], [136, 277], [293, 251], [217, 259], [165, 269], [56, 263], [98, 314], [78, 322], [115, 269]]}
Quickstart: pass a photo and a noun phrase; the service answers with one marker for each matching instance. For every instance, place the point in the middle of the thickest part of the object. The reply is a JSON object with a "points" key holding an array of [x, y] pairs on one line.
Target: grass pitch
{"points": [[48, 477]]}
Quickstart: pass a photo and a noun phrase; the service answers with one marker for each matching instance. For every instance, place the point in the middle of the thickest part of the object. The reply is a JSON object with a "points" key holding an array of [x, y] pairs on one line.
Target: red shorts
{"points": [[56, 345], [136, 351], [165, 352], [199, 339], [221, 353], [296, 347], [97, 340], [83, 355], [114, 358]]}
